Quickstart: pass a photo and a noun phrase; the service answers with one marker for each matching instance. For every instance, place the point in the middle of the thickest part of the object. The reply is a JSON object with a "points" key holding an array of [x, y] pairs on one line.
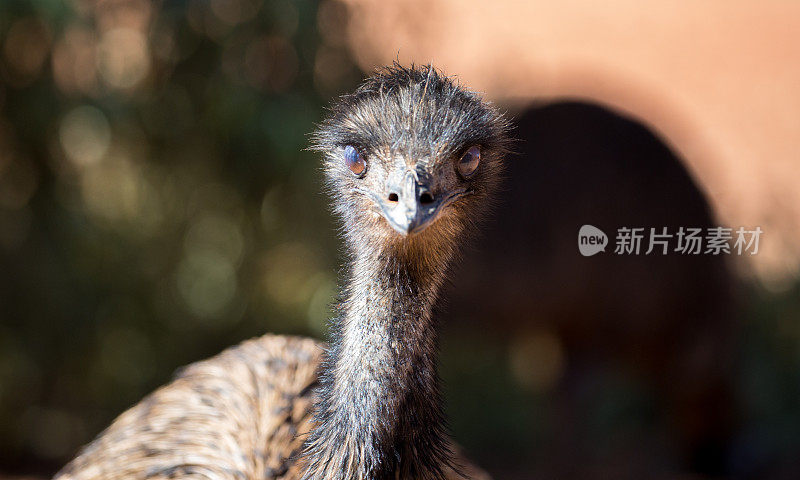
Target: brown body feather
{"points": [[243, 414]]}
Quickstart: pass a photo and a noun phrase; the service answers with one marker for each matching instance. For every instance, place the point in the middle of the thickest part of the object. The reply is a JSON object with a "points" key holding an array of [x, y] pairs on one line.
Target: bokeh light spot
{"points": [[27, 44], [85, 135], [319, 306], [124, 58], [74, 61], [207, 283], [332, 18], [114, 190], [218, 234], [290, 275]]}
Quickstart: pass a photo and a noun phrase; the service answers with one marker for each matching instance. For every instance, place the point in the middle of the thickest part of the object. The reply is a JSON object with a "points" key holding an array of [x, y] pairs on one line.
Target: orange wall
{"points": [[719, 80]]}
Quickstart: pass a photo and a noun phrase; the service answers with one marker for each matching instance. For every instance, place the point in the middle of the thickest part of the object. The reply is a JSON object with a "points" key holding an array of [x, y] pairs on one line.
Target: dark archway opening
{"points": [[609, 366]]}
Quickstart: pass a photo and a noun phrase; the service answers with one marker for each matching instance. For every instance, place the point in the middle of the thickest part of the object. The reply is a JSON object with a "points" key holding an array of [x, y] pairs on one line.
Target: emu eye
{"points": [[469, 162], [354, 161]]}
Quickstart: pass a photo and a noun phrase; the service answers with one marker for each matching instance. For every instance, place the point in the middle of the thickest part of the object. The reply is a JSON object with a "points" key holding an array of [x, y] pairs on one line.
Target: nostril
{"points": [[393, 197], [426, 198]]}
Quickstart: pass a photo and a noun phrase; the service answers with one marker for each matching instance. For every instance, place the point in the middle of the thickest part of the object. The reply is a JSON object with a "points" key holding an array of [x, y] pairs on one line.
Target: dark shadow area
{"points": [[615, 365]]}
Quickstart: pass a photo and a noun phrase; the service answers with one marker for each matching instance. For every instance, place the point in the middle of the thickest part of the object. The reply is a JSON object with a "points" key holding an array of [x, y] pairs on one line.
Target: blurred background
{"points": [[157, 206]]}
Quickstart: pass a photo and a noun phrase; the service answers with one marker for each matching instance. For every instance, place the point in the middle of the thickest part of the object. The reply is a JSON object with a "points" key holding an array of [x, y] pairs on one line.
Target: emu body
{"points": [[241, 415], [411, 160]]}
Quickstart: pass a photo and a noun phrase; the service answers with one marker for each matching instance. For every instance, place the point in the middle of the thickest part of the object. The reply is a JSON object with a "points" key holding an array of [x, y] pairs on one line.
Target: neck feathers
{"points": [[379, 413]]}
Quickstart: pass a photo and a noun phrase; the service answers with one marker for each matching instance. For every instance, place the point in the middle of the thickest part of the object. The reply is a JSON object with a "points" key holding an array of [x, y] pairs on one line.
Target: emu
{"points": [[411, 161]]}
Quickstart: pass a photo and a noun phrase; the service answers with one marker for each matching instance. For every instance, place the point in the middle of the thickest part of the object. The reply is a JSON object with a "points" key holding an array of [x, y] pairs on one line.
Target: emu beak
{"points": [[410, 206], [405, 209]]}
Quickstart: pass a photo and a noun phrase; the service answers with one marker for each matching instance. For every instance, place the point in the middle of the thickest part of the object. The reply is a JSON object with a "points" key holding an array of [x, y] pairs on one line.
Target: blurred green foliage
{"points": [[156, 201]]}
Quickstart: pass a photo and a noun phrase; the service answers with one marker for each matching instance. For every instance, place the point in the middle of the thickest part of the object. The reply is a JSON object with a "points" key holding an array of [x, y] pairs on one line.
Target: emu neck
{"points": [[380, 410]]}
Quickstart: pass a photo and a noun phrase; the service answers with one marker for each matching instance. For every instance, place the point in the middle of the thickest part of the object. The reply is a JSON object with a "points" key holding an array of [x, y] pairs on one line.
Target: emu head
{"points": [[411, 158]]}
